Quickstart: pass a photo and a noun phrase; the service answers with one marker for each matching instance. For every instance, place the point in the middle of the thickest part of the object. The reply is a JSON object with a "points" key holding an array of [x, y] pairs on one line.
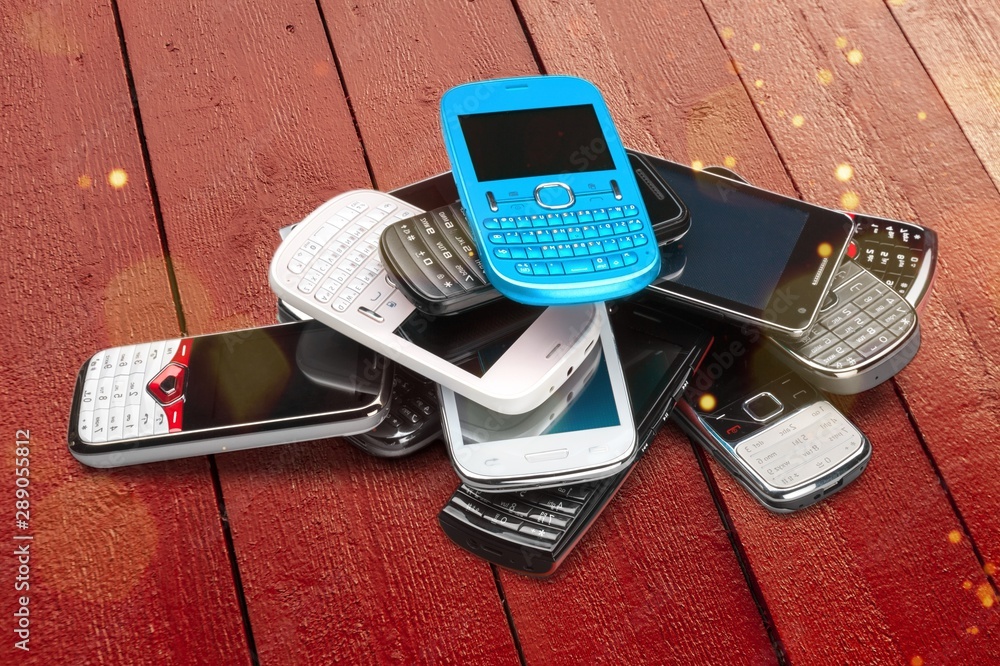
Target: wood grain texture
{"points": [[119, 560], [248, 131], [398, 58], [885, 614], [956, 44], [655, 580], [863, 99], [340, 554]]}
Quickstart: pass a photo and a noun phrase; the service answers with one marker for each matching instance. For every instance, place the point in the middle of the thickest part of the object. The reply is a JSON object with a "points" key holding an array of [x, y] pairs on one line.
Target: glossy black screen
{"points": [[276, 372], [739, 245], [535, 142]]}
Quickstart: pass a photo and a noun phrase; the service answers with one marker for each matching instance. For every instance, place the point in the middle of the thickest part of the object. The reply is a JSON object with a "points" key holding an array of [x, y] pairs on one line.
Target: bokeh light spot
{"points": [[798, 120], [756, 47], [967, 585], [101, 538], [728, 32], [972, 630], [990, 568], [849, 201], [921, 115], [854, 56], [824, 250], [955, 536], [117, 178], [84, 182], [844, 172], [825, 76], [985, 594], [729, 161], [697, 165], [707, 402], [321, 69], [759, 83], [841, 42]]}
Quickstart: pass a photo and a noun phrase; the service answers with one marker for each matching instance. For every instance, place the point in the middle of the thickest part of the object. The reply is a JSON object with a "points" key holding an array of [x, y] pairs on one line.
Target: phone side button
{"points": [[371, 314], [542, 456]]}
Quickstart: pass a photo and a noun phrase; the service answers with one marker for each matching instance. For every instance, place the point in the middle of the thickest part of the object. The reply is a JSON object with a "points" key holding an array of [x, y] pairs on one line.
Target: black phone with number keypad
{"points": [[414, 418]]}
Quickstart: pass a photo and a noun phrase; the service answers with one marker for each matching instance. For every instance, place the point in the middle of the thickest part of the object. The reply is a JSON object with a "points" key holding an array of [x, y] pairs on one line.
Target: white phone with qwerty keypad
{"points": [[506, 356]]}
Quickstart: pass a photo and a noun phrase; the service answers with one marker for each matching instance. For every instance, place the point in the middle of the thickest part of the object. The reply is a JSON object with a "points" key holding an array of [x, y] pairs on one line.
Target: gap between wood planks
{"points": [[182, 325], [899, 393]]}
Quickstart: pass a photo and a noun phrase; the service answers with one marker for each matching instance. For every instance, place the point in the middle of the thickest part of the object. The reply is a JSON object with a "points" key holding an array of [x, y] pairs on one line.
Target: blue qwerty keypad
{"points": [[568, 243]]}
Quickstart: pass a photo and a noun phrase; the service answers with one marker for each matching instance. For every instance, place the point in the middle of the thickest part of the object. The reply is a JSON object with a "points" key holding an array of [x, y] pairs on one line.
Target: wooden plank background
{"points": [[232, 119]]}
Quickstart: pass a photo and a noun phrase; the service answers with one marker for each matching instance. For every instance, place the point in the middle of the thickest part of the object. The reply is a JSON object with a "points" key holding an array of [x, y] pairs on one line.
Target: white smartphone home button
{"points": [[542, 456]]}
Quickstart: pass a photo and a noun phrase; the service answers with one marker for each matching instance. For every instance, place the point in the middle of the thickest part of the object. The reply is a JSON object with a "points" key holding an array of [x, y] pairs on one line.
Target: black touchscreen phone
{"points": [[867, 329], [533, 531], [752, 256]]}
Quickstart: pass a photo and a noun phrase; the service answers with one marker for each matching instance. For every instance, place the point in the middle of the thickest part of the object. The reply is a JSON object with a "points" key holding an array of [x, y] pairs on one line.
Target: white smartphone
{"points": [[223, 392], [506, 356], [592, 437]]}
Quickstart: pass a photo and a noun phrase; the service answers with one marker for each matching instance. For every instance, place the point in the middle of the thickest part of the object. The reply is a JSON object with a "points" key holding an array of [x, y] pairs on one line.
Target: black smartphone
{"points": [[533, 531], [769, 428], [223, 392], [867, 329], [433, 258], [414, 418], [753, 257], [901, 254]]}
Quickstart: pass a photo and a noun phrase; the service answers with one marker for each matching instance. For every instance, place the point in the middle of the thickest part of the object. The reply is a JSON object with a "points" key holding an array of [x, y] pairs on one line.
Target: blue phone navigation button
{"points": [[554, 195]]}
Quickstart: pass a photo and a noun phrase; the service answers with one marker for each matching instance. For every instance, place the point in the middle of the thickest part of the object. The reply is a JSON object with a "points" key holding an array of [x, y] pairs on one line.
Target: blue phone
{"points": [[552, 204]]}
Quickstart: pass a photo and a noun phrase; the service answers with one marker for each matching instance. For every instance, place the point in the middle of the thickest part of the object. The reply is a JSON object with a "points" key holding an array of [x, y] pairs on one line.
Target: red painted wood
{"points": [[655, 580], [956, 43], [861, 94], [896, 516], [398, 58], [126, 566], [248, 130], [340, 554]]}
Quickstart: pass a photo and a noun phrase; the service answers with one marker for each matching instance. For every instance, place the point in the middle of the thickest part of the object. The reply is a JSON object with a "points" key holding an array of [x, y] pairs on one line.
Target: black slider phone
{"points": [[433, 258], [778, 437], [867, 329], [533, 531]]}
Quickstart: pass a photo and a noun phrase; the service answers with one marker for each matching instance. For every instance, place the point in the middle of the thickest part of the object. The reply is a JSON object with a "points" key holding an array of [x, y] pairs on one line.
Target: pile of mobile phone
{"points": [[542, 310]]}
